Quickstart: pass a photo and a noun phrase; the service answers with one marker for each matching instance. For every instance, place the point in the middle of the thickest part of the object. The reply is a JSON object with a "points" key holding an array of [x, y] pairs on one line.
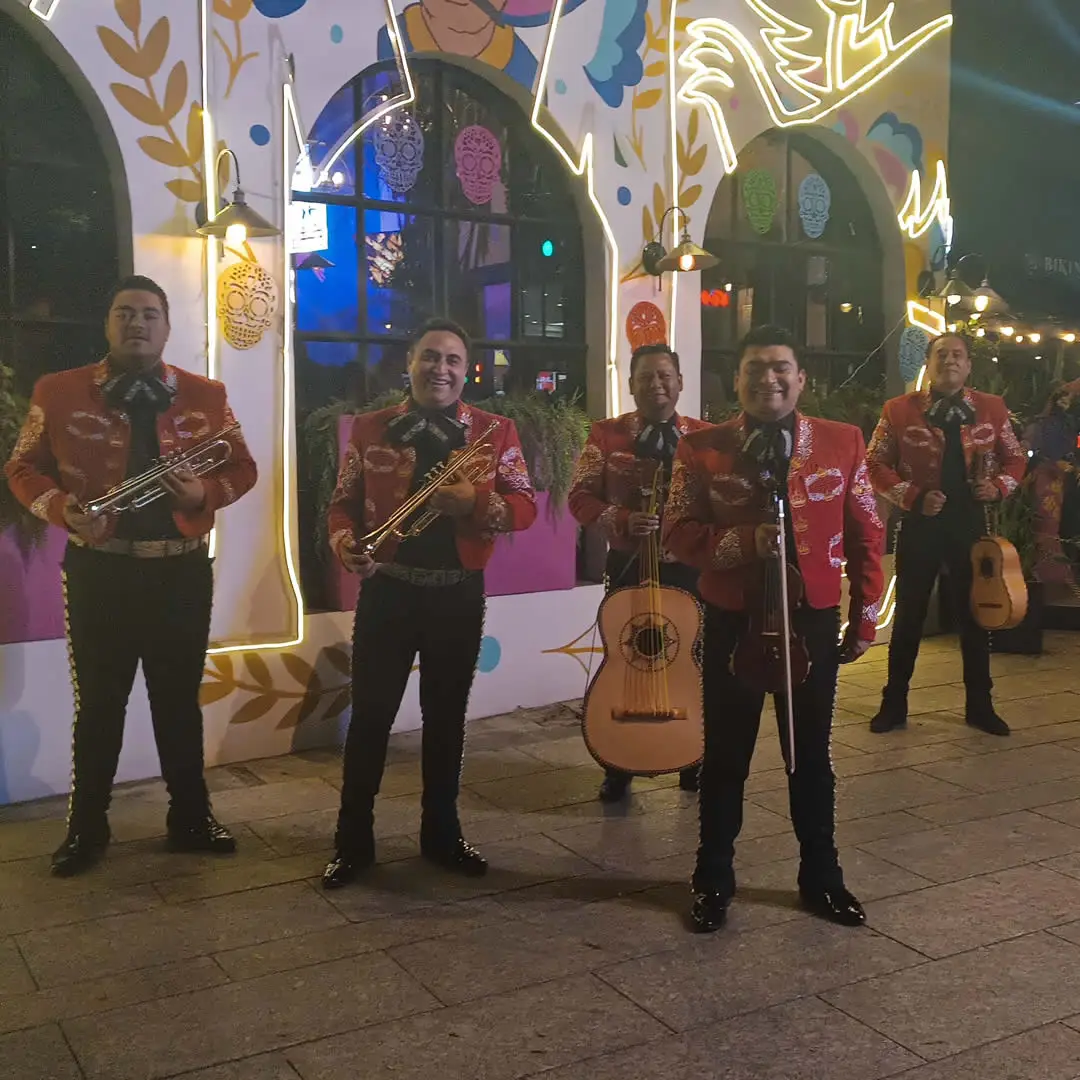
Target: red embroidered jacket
{"points": [[717, 502], [375, 479], [609, 479], [74, 442], [905, 453]]}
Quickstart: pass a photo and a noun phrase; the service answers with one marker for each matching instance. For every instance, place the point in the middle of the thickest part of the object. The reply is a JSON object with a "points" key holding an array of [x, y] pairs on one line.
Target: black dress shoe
{"points": [[79, 852], [343, 870], [709, 911], [836, 905], [890, 717], [688, 779], [460, 856], [615, 787], [987, 720], [208, 834]]}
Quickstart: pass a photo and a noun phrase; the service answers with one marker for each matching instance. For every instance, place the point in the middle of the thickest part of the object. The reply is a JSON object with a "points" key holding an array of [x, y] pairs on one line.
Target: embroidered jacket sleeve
{"points": [[226, 484], [1010, 455], [689, 531], [347, 502], [863, 542], [32, 471], [509, 505], [588, 500], [883, 461]]}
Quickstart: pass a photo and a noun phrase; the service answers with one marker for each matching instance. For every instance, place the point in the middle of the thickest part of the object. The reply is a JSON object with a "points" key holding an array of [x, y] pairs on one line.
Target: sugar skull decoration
{"points": [[815, 202], [645, 325], [384, 252], [247, 304], [760, 199], [399, 151], [478, 157], [913, 344]]}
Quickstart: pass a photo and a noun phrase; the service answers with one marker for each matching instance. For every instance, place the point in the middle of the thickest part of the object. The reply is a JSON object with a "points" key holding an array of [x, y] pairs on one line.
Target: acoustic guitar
{"points": [[999, 594], [643, 709]]}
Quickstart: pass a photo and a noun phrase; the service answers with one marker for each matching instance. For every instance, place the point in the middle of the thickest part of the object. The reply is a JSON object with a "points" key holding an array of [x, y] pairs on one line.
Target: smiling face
{"points": [[437, 367], [655, 384], [948, 365], [769, 382], [137, 329]]}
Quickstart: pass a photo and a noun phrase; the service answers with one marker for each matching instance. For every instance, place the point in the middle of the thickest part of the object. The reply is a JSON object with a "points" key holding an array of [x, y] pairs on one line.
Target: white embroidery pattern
{"points": [[836, 554], [728, 551], [821, 478]]}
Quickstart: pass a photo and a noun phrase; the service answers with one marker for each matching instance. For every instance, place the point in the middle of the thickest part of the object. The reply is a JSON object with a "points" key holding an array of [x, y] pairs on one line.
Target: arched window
{"points": [[798, 247], [451, 207], [58, 239]]}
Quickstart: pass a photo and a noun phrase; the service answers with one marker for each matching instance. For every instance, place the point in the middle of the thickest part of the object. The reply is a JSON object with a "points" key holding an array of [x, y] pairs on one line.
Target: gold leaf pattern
{"points": [[175, 90], [339, 659], [649, 98], [168, 153], [186, 190], [138, 104], [692, 127], [235, 11], [130, 12], [210, 692], [258, 669], [254, 709], [659, 203], [291, 717], [654, 70], [297, 667], [155, 47], [223, 664], [690, 196], [339, 704], [122, 54]]}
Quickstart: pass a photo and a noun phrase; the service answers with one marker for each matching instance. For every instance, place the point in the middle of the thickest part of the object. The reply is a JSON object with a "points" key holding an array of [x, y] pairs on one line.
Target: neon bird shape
{"points": [[802, 73]]}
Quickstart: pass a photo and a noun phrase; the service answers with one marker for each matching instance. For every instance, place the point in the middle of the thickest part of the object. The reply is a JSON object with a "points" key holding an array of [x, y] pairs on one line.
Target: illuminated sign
{"points": [[717, 298], [916, 217]]}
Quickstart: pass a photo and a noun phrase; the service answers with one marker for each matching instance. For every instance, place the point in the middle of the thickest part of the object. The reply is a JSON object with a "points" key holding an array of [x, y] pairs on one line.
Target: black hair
{"points": [[764, 336], [949, 334], [139, 283], [659, 349], [441, 325]]}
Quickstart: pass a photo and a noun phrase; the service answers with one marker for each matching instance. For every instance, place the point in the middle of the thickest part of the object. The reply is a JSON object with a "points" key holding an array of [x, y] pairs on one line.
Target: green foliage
{"points": [[13, 408], [1016, 523]]}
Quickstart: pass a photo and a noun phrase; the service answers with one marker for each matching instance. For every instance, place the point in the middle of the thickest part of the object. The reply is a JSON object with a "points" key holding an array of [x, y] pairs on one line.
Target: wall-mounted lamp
{"points": [[235, 222], [987, 300], [956, 291], [686, 258]]}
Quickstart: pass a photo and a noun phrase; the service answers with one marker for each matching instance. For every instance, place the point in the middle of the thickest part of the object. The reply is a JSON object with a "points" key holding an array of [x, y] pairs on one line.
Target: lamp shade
{"points": [[237, 216], [956, 291], [686, 258]]}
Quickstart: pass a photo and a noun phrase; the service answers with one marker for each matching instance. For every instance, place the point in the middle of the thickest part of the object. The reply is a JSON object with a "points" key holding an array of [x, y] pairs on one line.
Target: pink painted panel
{"points": [[31, 593]]}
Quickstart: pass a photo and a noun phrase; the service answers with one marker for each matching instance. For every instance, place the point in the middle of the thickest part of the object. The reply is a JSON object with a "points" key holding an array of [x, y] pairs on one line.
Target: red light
{"points": [[479, 368], [718, 298]]}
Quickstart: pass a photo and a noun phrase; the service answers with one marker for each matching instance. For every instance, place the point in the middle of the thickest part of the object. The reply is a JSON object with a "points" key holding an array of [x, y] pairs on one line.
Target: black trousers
{"points": [[732, 718], [395, 622], [120, 611], [923, 546], [622, 569]]}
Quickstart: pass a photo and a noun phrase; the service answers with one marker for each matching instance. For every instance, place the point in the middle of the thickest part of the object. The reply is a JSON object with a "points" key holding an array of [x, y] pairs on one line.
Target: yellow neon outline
{"points": [[584, 167], [846, 35], [48, 13], [923, 317], [211, 251], [916, 218], [674, 151]]}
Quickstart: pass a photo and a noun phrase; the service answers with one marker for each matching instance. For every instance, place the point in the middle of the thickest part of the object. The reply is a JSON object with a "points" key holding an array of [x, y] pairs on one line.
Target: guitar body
{"points": [[999, 595], [643, 709]]}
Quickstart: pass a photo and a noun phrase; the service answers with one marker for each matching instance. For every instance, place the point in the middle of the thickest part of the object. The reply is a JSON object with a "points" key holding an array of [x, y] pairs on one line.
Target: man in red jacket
{"points": [[423, 595], [941, 455], [717, 521], [612, 476], [138, 584]]}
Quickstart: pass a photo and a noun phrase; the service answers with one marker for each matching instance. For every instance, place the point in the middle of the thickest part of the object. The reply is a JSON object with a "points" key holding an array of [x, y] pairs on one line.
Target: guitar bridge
{"points": [[648, 716]]}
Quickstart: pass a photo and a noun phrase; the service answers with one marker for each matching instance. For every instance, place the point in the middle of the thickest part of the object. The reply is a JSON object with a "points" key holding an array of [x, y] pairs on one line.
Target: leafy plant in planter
{"points": [[1016, 523], [29, 530]]}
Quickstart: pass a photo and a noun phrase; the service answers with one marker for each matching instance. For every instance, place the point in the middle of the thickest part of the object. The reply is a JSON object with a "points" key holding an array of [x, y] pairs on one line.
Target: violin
{"points": [[770, 656]]}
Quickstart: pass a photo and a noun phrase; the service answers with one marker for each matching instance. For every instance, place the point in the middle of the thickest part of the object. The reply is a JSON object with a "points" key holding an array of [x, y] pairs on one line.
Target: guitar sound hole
{"points": [[649, 641], [986, 567]]}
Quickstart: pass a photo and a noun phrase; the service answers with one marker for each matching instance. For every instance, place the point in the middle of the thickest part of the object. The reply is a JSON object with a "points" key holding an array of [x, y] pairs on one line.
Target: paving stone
{"points": [[38, 1054]]}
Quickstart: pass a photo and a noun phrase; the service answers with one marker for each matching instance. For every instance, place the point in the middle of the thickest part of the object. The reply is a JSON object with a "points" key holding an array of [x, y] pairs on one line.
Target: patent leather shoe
{"points": [[890, 717], [460, 857], [836, 905], [987, 720], [343, 870], [688, 779], [709, 911], [207, 834], [79, 852], [615, 788]]}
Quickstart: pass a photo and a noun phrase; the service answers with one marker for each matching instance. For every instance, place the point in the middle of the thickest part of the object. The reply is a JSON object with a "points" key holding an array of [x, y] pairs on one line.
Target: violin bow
{"points": [[785, 615]]}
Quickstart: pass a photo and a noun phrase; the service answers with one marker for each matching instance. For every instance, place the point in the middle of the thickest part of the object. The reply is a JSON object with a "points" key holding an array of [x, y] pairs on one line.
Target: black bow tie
{"points": [[658, 441], [948, 410], [129, 391], [439, 429], [769, 445]]}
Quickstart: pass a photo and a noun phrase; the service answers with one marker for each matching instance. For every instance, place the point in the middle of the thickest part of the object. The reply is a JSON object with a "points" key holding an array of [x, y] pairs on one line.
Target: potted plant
{"points": [[1016, 523]]}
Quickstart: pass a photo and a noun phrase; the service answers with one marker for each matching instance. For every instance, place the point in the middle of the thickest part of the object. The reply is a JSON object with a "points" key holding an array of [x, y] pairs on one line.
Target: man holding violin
{"points": [[611, 484], [138, 584], [719, 520], [925, 459], [421, 595]]}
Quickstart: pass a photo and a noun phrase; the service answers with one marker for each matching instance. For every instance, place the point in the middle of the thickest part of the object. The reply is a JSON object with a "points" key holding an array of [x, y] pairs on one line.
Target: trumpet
{"points": [[140, 491], [466, 463]]}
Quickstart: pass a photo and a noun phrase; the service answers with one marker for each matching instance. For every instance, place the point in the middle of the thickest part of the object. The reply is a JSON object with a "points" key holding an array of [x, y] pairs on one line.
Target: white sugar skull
{"points": [[247, 303], [815, 202], [399, 151], [478, 157]]}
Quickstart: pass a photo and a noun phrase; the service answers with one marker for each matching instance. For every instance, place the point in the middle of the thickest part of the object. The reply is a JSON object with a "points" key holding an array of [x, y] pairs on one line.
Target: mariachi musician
{"points": [[922, 459], [138, 584], [424, 595], [612, 483], [717, 520]]}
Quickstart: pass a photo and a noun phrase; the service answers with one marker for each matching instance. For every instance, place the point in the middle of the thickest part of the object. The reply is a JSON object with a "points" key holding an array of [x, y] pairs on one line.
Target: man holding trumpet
{"points": [[138, 584], [422, 594]]}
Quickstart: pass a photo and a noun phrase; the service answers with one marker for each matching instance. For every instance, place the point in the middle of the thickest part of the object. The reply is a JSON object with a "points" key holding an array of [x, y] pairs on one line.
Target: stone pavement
{"points": [[571, 959]]}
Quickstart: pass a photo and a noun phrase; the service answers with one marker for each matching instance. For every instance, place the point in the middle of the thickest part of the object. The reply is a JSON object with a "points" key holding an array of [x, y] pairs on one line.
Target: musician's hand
{"points": [[641, 524], [985, 491], [852, 648], [933, 502], [766, 541], [356, 562], [187, 491], [456, 499], [87, 528]]}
